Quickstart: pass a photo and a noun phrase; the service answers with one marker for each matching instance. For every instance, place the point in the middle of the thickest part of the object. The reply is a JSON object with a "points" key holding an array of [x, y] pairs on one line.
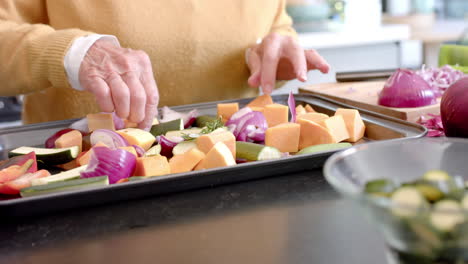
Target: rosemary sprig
{"points": [[212, 126]]}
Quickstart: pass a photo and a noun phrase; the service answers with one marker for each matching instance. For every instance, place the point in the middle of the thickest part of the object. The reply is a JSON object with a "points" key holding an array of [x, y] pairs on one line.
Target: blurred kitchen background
{"points": [[358, 35]]}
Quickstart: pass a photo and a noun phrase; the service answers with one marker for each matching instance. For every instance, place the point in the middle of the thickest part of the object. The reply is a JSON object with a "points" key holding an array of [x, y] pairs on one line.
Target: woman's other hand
{"points": [[280, 57], [122, 81]]}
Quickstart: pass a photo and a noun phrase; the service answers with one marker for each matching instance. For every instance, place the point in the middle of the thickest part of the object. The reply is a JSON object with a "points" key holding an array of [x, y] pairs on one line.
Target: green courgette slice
{"points": [[48, 156], [253, 151], [71, 185]]}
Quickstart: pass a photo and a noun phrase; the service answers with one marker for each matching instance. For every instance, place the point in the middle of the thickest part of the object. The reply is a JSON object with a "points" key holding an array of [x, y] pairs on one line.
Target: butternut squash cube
{"points": [[284, 137], [70, 139], [206, 142], [313, 134], [337, 127], [219, 156], [261, 101], [257, 108], [309, 109], [152, 166], [84, 159], [100, 121], [227, 110], [316, 117], [276, 114], [354, 123], [187, 161], [131, 150], [139, 137], [300, 110]]}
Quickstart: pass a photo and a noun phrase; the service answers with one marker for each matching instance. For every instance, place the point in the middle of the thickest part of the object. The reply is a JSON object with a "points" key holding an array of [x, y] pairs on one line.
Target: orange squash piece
{"points": [[315, 117], [152, 166], [138, 137], [70, 139], [200, 165], [313, 134], [187, 161], [257, 108], [219, 156], [300, 110], [227, 110], [284, 137], [206, 142], [131, 150], [100, 121], [261, 101], [337, 127], [309, 109], [354, 124], [84, 159], [276, 114]]}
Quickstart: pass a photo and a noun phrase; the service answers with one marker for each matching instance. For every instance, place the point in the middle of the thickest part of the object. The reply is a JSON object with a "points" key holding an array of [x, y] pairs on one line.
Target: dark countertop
{"points": [[295, 218]]}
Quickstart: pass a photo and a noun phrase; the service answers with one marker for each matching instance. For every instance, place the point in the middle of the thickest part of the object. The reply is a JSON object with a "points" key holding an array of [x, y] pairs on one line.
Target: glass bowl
{"points": [[412, 238]]}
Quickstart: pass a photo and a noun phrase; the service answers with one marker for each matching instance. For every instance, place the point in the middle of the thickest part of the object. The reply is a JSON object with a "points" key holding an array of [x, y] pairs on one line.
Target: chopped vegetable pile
{"points": [[103, 149]]}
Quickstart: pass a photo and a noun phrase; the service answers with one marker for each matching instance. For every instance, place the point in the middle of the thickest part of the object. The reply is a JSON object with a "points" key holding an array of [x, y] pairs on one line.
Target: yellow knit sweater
{"points": [[196, 47]]}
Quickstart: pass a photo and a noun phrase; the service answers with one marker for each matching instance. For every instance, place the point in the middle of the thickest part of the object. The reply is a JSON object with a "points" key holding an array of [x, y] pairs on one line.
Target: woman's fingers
{"points": [[315, 61], [137, 97], [120, 95], [102, 92], [270, 58], [255, 65], [295, 54], [152, 100]]}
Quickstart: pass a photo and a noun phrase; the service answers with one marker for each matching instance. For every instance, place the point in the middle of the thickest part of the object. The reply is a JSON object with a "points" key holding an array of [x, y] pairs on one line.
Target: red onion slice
{"points": [[168, 144], [139, 150], [248, 125], [109, 138], [115, 163], [292, 107]]}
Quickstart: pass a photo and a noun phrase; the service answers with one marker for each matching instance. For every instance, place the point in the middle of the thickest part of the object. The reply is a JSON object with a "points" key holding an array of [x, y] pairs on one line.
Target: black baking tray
{"points": [[378, 127]]}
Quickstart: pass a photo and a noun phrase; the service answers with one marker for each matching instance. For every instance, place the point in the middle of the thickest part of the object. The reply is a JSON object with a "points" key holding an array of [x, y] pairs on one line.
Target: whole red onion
{"points": [[454, 109]]}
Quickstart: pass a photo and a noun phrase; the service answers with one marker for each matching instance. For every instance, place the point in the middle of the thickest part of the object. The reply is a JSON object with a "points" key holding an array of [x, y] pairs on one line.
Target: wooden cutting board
{"points": [[365, 95]]}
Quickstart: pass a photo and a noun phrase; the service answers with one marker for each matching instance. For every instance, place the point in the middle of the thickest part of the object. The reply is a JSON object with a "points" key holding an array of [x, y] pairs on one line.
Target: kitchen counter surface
{"points": [[290, 219]]}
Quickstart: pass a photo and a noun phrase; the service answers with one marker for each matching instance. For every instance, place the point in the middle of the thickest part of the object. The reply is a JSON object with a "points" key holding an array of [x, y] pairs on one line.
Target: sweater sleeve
{"points": [[283, 22], [31, 52]]}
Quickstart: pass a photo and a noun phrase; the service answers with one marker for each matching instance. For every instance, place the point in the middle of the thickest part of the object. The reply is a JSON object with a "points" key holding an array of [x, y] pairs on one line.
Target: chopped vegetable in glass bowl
{"points": [[414, 191]]}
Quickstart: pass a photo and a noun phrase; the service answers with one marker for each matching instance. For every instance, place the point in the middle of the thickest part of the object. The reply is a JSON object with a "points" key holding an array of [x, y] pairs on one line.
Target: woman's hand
{"points": [[122, 81], [280, 57]]}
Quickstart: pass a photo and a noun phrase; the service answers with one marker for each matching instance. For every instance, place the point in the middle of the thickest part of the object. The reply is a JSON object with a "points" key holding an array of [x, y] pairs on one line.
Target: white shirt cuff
{"points": [[76, 54]]}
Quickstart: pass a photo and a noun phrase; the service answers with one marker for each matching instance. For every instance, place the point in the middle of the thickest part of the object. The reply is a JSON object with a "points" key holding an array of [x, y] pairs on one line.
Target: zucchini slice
{"points": [[408, 202], [324, 147], [252, 151], [62, 176], [71, 185], [429, 191], [446, 215], [437, 175], [48, 156], [464, 202], [163, 128], [380, 187], [183, 147], [154, 150]]}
